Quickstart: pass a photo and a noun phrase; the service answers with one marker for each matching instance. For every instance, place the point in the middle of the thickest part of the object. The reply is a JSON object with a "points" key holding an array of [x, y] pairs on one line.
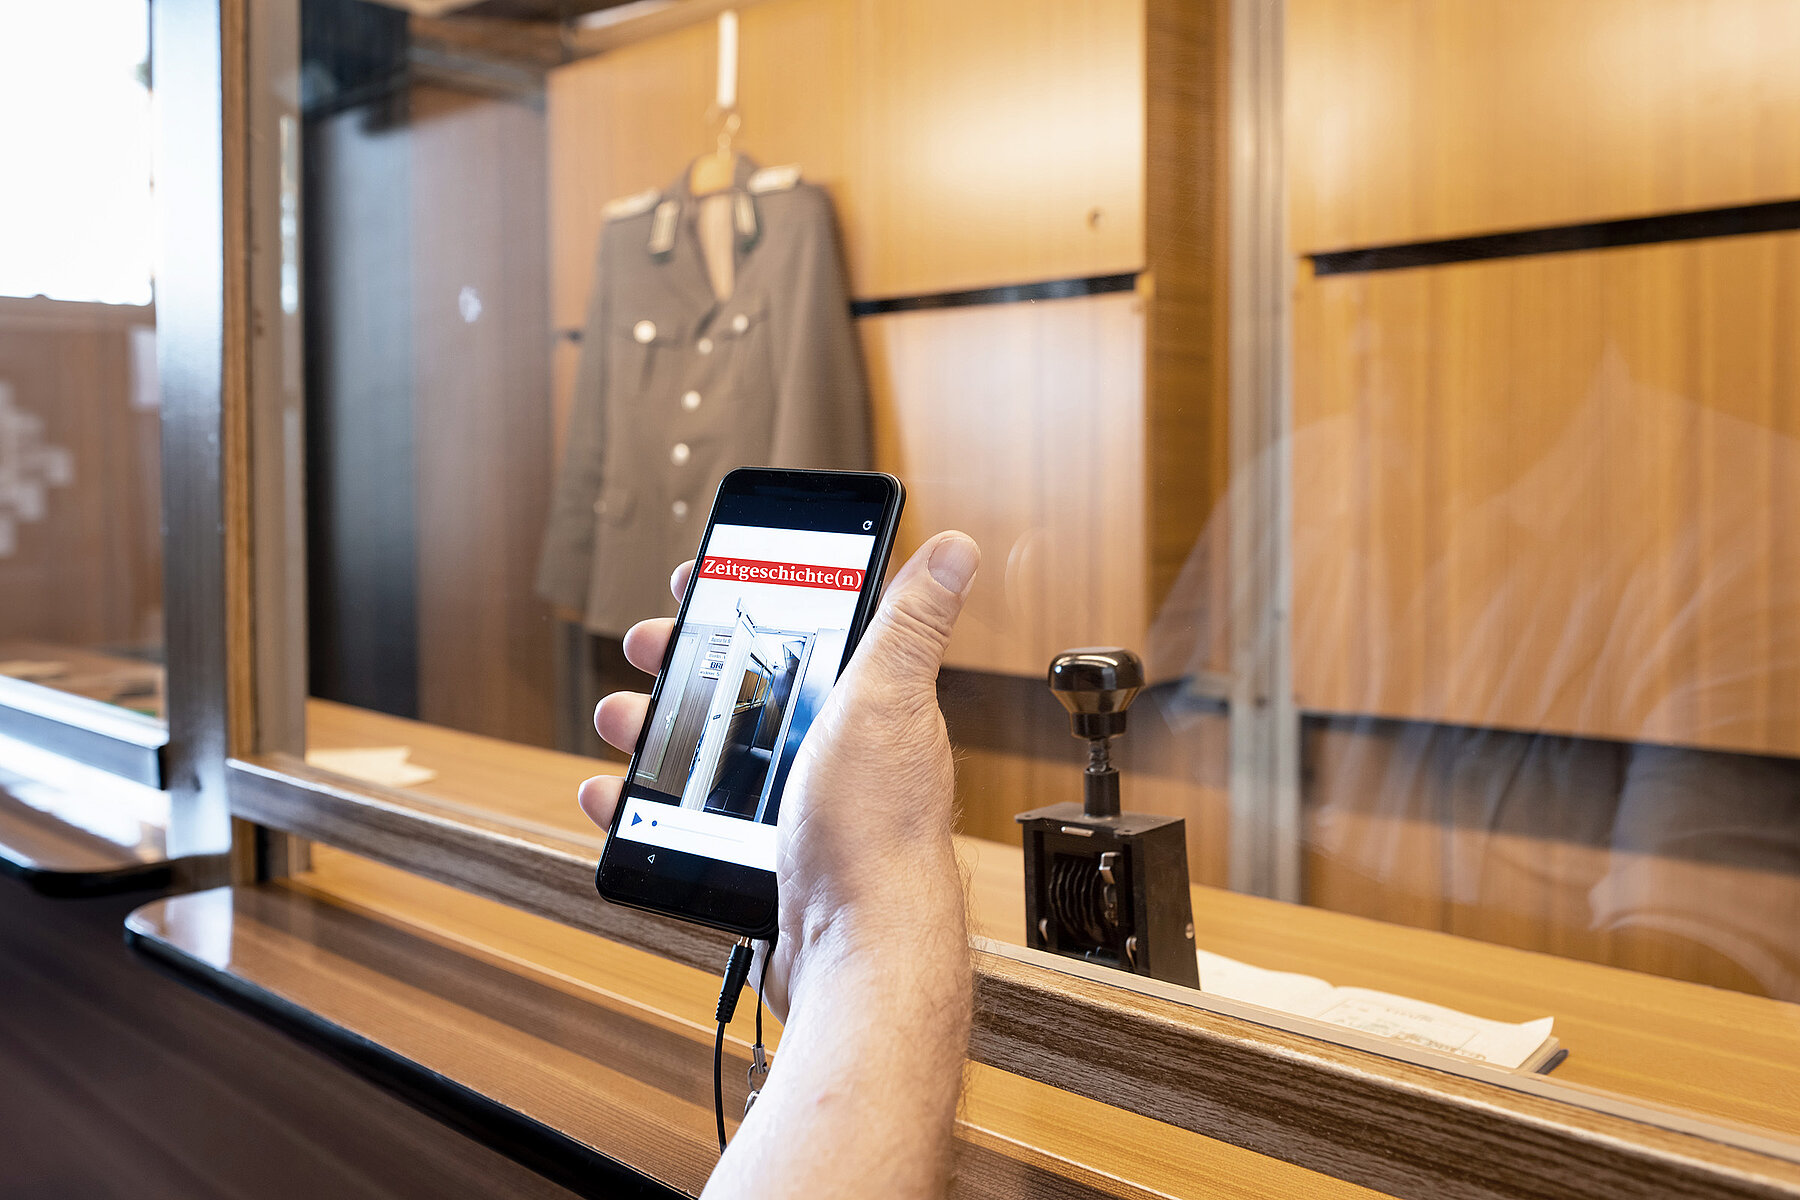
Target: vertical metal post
{"points": [[275, 409], [198, 293], [1265, 727], [277, 401]]}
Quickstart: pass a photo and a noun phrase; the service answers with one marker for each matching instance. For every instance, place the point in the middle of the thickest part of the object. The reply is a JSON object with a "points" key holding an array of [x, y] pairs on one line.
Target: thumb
{"points": [[905, 643]]}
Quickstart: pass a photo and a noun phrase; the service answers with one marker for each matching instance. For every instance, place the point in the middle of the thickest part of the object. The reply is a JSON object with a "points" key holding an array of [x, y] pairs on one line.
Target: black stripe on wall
{"points": [[1562, 239], [1012, 293], [1016, 293]]}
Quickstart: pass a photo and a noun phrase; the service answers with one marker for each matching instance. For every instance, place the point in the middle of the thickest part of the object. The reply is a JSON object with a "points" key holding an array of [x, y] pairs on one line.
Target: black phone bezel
{"points": [[708, 891]]}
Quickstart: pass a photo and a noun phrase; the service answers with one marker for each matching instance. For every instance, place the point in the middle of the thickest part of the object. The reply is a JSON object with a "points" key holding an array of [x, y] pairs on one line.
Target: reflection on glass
{"points": [[1543, 568], [80, 547]]}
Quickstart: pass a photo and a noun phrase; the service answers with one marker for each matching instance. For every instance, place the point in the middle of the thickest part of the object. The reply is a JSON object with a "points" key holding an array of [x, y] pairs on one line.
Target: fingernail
{"points": [[953, 563]]}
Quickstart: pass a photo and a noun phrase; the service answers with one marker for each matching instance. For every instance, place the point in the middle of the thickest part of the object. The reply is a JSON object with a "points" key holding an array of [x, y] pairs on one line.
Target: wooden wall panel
{"points": [[1557, 493], [481, 413], [1023, 425], [1678, 862], [89, 573], [617, 124], [996, 142], [966, 145], [1014, 751], [992, 785], [975, 145], [1417, 119]]}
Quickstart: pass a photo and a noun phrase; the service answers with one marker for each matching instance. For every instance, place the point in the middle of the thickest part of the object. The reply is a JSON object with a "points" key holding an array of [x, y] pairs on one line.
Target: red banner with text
{"points": [[781, 574]]}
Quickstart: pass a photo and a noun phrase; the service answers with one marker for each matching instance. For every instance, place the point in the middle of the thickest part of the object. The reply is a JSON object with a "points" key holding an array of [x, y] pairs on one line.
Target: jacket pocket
{"points": [[638, 343]]}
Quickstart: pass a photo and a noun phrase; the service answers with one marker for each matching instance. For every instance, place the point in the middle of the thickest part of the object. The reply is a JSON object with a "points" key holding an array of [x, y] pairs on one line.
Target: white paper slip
{"points": [[1525, 1045], [385, 765], [33, 671]]}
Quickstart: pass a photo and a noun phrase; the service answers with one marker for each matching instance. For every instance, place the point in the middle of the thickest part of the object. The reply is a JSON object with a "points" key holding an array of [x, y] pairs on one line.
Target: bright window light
{"points": [[75, 218]]}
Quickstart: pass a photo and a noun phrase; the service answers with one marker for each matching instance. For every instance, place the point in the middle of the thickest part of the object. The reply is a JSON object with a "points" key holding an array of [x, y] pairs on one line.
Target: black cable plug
{"points": [[737, 971]]}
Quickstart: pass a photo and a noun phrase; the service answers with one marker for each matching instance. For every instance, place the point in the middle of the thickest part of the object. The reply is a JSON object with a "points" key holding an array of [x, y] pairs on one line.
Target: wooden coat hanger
{"points": [[717, 171]]}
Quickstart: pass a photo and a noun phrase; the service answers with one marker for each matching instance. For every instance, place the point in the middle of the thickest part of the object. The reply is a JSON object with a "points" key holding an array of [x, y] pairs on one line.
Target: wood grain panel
{"points": [[998, 142], [1014, 1116], [932, 125], [1014, 751], [608, 1046], [1086, 453], [481, 412], [1024, 426], [1556, 494], [1415, 119], [1721, 1054], [121, 1081], [617, 124], [89, 573], [526, 786], [1677, 862], [992, 786], [1473, 1140]]}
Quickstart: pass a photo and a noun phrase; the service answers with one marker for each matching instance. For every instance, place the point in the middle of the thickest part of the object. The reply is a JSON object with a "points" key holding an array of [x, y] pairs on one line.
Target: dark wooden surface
{"points": [[539, 1065], [537, 872], [120, 1082], [1197, 1070], [64, 844], [1407, 1130]]}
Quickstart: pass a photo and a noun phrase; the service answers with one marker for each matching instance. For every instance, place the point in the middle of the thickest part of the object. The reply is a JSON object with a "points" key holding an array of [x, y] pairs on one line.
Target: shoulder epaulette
{"points": [[774, 179], [632, 205]]}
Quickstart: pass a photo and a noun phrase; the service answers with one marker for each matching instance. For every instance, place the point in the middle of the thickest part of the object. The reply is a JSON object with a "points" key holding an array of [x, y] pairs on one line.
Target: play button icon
{"points": [[636, 820]]}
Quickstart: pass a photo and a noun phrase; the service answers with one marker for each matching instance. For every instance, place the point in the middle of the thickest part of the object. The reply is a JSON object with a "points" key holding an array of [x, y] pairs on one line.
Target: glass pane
{"points": [[1522, 567], [81, 597], [523, 386], [1546, 564]]}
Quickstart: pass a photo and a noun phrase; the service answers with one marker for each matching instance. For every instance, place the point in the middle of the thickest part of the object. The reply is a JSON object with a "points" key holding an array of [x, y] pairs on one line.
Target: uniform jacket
{"points": [[676, 387]]}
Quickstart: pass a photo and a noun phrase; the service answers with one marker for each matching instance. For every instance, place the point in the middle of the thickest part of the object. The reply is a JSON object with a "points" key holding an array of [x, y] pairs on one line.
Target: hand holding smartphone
{"points": [[788, 572]]}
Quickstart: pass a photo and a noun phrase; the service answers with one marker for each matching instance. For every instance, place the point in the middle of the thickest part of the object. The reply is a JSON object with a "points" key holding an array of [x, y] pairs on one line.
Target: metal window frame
{"points": [[90, 732], [1265, 839]]}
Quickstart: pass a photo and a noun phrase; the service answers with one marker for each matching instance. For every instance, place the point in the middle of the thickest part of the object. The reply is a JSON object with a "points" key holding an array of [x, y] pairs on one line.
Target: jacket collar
{"points": [[672, 221]]}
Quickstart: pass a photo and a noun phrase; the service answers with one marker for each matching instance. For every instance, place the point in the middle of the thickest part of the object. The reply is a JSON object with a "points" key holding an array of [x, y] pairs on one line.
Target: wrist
{"points": [[913, 937]]}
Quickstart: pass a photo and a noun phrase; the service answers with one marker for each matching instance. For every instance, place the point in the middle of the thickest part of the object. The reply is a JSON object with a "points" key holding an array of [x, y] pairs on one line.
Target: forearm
{"points": [[862, 1097]]}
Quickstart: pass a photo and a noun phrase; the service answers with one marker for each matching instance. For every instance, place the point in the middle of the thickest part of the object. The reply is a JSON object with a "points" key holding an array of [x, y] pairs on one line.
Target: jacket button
{"points": [[679, 509], [690, 401], [679, 454], [740, 323], [644, 332], [704, 345]]}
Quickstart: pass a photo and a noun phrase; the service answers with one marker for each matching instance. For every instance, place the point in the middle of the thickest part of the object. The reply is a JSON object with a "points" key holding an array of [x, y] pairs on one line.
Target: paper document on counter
{"points": [[1526, 1045], [385, 765]]}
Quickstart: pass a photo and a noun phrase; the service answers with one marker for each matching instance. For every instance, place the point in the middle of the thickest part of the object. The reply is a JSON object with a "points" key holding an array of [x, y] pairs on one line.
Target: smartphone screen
{"points": [[787, 574]]}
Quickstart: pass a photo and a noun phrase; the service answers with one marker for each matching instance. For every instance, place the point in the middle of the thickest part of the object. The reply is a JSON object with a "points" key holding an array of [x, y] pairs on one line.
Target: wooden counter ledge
{"points": [[591, 1061], [498, 821], [67, 842]]}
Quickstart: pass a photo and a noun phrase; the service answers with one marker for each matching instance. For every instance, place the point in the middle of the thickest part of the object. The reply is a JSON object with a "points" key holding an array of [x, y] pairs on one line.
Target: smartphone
{"points": [[788, 573]]}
